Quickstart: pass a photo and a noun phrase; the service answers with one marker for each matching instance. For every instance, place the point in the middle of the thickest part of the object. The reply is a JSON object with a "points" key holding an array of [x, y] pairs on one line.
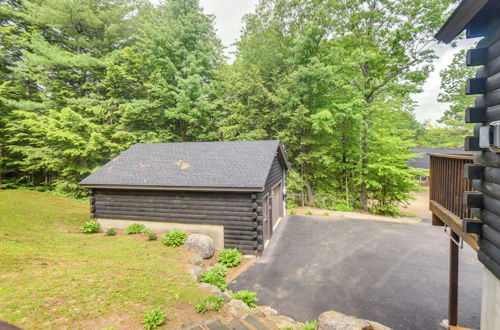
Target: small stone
{"points": [[227, 297], [237, 308], [196, 259], [333, 320], [201, 244], [195, 272], [267, 310]]}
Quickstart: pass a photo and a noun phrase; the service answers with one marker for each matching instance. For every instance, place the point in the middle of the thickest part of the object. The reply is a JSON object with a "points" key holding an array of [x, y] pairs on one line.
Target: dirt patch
{"points": [[115, 321], [419, 207]]}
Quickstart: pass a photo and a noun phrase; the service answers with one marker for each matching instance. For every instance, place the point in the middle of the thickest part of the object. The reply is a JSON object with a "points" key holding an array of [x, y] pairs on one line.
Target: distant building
{"points": [[423, 160]]}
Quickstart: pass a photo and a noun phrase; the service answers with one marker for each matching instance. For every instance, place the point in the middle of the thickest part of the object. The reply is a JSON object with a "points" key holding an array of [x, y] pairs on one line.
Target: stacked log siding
{"points": [[487, 110], [237, 212]]}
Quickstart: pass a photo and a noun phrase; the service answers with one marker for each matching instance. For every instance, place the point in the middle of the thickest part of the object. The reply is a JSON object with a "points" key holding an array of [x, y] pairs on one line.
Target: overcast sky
{"points": [[228, 23]]}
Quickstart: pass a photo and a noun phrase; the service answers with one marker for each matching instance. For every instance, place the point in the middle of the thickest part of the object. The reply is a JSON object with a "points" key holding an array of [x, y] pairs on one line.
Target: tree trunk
{"points": [[310, 195]]}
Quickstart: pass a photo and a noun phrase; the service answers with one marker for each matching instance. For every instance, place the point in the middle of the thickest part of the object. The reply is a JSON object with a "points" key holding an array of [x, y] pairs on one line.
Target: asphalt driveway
{"points": [[395, 274]]}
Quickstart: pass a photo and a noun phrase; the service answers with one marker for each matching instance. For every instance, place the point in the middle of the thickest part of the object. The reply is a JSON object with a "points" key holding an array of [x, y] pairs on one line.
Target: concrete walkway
{"points": [[392, 273]]}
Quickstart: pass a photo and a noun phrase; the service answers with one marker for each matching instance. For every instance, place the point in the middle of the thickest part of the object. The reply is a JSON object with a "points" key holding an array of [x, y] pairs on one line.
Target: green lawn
{"points": [[52, 276]]}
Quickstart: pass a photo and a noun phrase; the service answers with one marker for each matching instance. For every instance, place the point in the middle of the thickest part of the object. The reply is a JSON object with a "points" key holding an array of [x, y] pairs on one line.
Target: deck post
{"points": [[453, 289]]}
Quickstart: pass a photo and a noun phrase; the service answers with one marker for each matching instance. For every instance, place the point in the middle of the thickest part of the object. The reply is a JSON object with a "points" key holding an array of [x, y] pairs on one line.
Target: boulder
{"points": [[201, 244], [267, 310], [283, 322], [215, 291], [333, 320], [195, 272], [237, 308], [196, 259]]}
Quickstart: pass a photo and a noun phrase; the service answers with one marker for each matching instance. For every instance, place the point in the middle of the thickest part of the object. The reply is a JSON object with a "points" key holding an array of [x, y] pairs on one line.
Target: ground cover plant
{"points": [[153, 319], [52, 275], [212, 303], [91, 227], [230, 257], [175, 238], [247, 296], [135, 228], [215, 275]]}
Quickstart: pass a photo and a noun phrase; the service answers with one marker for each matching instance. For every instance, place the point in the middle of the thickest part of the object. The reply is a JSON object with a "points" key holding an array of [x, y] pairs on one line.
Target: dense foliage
{"points": [[83, 80]]}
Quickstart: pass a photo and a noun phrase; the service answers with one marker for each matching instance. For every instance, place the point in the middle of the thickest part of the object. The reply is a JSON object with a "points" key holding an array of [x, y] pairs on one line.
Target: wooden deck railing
{"points": [[447, 187]]}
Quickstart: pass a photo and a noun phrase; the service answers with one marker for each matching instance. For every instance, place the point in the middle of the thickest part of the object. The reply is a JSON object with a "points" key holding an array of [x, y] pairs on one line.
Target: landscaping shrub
{"points": [[293, 211], [174, 238], [230, 257], [154, 318], [90, 227], [151, 236], [135, 228], [212, 303], [309, 212], [247, 296], [215, 275], [312, 325], [111, 232]]}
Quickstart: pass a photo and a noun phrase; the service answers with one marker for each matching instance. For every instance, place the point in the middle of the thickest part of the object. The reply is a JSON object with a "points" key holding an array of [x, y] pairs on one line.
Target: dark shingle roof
{"points": [[238, 164], [424, 160]]}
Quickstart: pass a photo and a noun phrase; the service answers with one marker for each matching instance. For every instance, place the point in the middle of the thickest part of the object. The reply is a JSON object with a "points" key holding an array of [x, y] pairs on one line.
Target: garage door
{"points": [[277, 206]]}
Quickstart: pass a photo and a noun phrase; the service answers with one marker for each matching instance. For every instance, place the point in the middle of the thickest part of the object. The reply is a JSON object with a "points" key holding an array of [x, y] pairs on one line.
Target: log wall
{"points": [[237, 212], [486, 110]]}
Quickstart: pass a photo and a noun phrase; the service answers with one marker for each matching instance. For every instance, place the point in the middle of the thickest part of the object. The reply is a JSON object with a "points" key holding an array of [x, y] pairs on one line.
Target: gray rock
{"points": [[283, 322], [195, 272], [215, 291], [333, 320], [237, 308], [201, 244], [196, 259]]}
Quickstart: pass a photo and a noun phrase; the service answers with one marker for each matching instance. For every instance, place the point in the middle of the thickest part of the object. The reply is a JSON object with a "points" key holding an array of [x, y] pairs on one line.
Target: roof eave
{"points": [[459, 19], [173, 188]]}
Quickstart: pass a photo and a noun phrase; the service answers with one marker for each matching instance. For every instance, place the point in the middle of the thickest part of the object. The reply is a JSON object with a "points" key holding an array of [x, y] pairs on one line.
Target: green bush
{"points": [[230, 258], [90, 227], [293, 211], [326, 213], [111, 232], [151, 236], [154, 318], [174, 238], [389, 210], [215, 275], [135, 228], [247, 296], [212, 303], [309, 212], [312, 325], [342, 205]]}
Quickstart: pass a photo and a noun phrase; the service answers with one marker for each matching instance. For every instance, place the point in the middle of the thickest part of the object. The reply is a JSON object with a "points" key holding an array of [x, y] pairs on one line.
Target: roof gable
{"points": [[200, 165]]}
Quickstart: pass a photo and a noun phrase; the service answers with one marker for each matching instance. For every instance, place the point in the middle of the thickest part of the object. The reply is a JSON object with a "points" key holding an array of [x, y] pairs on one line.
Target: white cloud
{"points": [[228, 18], [427, 105]]}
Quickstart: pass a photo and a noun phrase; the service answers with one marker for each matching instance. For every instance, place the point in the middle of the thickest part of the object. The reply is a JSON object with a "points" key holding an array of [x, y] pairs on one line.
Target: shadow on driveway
{"points": [[395, 274]]}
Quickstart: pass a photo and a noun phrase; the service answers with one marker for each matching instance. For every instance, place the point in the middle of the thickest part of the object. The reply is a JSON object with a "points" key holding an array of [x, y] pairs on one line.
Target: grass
{"points": [[52, 275]]}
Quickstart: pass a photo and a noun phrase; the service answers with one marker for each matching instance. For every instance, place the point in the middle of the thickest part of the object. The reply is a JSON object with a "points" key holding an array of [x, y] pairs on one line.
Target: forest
{"points": [[82, 80]]}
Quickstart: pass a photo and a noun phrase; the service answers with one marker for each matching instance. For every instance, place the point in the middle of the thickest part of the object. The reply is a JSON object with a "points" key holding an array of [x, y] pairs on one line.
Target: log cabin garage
{"points": [[233, 192]]}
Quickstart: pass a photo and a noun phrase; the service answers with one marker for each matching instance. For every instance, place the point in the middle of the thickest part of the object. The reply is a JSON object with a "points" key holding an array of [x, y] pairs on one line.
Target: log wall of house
{"points": [[486, 174], [237, 212]]}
